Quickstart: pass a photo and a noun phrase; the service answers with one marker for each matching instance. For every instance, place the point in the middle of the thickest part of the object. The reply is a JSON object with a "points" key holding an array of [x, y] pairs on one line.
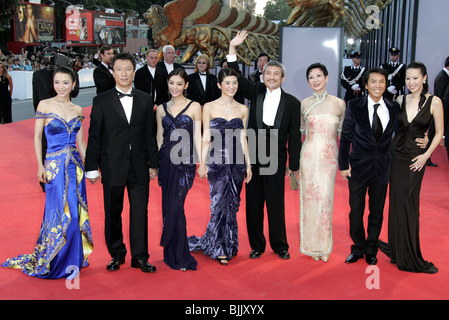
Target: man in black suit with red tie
{"points": [[103, 77], [364, 160], [274, 122], [152, 79], [122, 146]]}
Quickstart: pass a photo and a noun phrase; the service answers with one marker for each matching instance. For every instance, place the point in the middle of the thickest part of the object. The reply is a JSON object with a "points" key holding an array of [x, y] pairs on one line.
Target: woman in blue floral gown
{"points": [[65, 239], [224, 135], [178, 137]]}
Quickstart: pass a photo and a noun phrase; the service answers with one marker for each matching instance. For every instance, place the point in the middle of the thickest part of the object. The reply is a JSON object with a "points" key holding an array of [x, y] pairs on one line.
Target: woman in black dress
{"points": [[408, 164]]}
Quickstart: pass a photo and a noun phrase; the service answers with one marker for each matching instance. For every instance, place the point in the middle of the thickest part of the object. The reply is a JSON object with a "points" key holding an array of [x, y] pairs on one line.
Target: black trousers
{"points": [[366, 243], [138, 195], [269, 189]]}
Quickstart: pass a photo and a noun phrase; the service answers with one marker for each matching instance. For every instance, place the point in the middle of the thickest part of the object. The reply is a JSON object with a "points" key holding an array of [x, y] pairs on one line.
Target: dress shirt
{"points": [[446, 70], [153, 73], [107, 67], [382, 112], [270, 106], [127, 103], [203, 78], [169, 67]]}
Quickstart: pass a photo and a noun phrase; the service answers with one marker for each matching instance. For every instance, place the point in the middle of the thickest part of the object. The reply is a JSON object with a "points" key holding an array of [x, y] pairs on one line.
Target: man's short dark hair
{"points": [[124, 56], [375, 70], [104, 48]]}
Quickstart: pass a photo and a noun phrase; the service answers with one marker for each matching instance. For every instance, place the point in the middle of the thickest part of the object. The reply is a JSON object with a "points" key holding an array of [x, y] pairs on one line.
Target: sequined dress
{"points": [[176, 174], [226, 172], [65, 238]]}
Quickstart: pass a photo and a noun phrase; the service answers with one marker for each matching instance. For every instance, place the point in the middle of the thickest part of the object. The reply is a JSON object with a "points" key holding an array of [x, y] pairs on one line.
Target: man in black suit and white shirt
{"points": [[152, 79], [202, 84], [122, 145], [169, 56], [103, 77], [364, 160], [262, 60], [274, 119]]}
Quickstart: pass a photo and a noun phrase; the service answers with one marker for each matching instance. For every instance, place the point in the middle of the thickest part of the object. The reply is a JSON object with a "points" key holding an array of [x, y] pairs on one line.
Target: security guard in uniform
{"points": [[352, 78], [396, 78]]}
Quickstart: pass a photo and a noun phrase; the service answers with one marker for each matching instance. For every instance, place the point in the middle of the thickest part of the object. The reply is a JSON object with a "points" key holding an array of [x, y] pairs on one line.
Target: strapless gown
{"points": [[226, 173]]}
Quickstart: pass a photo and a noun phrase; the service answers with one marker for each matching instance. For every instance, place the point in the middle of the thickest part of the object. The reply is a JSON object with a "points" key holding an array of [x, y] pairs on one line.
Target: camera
{"points": [[58, 59]]}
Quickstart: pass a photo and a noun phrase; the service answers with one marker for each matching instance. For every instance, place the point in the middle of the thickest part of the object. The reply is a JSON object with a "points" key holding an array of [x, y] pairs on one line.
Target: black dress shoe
{"points": [[143, 265], [352, 258], [115, 264], [255, 254], [371, 260], [429, 163], [283, 255]]}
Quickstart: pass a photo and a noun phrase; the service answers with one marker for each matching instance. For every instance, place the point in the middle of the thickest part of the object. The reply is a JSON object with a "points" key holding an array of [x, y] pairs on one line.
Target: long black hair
{"points": [[420, 66]]}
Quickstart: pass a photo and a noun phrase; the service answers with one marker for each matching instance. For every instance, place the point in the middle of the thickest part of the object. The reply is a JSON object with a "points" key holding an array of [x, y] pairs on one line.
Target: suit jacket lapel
{"points": [[106, 71], [280, 111], [136, 106], [365, 115], [199, 84], [391, 111], [117, 105], [259, 108]]}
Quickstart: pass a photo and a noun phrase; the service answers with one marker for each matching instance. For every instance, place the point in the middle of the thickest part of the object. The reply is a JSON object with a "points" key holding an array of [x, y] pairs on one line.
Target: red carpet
{"points": [[268, 278]]}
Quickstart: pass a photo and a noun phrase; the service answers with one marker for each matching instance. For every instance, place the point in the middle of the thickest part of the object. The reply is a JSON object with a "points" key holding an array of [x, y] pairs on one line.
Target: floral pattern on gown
{"points": [[318, 168], [65, 238], [225, 177], [175, 179]]}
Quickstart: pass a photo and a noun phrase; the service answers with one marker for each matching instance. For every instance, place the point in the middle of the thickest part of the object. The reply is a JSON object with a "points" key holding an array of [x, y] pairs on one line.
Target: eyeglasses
{"points": [[201, 62]]}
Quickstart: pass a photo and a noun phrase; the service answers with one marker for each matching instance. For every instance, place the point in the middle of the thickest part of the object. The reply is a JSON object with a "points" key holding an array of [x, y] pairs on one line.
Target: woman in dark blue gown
{"points": [[179, 139], [224, 161], [65, 239]]}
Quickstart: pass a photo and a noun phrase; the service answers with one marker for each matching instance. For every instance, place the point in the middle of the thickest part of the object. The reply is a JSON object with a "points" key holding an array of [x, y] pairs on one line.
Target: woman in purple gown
{"points": [[178, 138], [224, 161]]}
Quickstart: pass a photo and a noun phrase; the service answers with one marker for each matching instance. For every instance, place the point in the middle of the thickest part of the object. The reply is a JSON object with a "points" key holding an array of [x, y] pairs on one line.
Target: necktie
{"points": [[377, 125], [121, 94], [203, 74]]}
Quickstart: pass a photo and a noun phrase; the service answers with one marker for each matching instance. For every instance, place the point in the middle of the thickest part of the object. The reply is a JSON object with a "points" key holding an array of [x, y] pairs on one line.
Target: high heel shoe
{"points": [[223, 260], [315, 257]]}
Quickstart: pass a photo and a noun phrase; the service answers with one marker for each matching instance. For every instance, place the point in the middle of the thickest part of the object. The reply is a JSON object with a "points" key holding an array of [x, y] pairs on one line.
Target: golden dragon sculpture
{"points": [[207, 27], [357, 17]]}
